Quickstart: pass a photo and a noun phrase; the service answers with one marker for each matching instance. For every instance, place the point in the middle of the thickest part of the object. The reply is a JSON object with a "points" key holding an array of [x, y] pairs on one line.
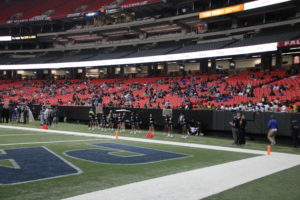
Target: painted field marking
{"points": [[152, 141], [50, 142], [200, 183], [191, 185], [12, 135]]}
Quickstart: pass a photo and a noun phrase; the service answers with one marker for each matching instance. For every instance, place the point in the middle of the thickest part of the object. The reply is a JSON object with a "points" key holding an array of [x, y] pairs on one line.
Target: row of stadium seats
{"points": [[21, 10], [161, 49], [207, 91]]}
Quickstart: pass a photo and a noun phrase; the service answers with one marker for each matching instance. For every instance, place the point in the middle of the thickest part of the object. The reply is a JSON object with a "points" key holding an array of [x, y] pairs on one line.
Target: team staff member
{"points": [[273, 128], [242, 130], [236, 126]]}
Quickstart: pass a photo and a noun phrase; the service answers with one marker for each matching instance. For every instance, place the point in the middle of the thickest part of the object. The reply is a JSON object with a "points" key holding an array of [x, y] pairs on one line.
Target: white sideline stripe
{"points": [[203, 146], [200, 183], [190, 185], [10, 135], [49, 142]]}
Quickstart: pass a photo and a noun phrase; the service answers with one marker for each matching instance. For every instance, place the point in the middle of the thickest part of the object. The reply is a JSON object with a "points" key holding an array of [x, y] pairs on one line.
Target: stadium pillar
{"points": [[149, 70], [83, 75], [1, 74], [8, 74], [49, 74], [14, 74], [122, 71], [165, 69], [266, 62], [213, 65], [73, 73], [278, 60], [203, 68], [111, 71], [40, 74]]}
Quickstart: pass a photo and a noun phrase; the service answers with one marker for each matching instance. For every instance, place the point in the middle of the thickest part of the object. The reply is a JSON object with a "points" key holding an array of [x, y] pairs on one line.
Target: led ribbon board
{"points": [[221, 11], [151, 59], [239, 8]]}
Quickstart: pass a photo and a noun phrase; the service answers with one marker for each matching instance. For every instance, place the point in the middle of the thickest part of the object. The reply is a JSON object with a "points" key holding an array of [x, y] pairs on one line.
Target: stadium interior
{"points": [[206, 59], [60, 33]]}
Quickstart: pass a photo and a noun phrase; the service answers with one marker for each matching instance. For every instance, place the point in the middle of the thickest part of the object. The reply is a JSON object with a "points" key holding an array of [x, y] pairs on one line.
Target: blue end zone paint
{"points": [[105, 156], [35, 164]]}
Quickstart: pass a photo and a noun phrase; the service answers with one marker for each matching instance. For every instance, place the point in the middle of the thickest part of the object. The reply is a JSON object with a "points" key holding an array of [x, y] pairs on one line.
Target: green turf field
{"points": [[97, 176]]}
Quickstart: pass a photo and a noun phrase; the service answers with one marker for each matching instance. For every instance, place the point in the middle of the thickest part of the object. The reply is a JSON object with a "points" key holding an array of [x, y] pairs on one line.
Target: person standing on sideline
{"points": [[295, 132], [242, 131], [184, 125], [92, 119], [151, 123], [236, 125], [273, 128]]}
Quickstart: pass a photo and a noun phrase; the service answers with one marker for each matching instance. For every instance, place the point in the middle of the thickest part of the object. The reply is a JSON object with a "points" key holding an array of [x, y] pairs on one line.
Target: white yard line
{"points": [[11, 135], [190, 185], [203, 146], [49, 142], [200, 183]]}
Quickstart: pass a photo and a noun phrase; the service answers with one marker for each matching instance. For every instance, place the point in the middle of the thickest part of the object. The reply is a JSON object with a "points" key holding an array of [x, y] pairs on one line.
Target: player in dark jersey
{"points": [[91, 124], [184, 125], [110, 120], [123, 119], [151, 124], [170, 127], [119, 122], [132, 123], [103, 122], [138, 123], [166, 124]]}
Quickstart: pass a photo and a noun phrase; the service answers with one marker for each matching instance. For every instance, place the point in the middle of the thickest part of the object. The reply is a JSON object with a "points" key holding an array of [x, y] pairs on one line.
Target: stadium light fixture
{"points": [[262, 3], [5, 38]]}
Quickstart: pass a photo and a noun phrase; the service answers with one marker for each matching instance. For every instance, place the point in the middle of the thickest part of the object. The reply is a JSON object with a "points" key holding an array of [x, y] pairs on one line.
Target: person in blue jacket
{"points": [[273, 128]]}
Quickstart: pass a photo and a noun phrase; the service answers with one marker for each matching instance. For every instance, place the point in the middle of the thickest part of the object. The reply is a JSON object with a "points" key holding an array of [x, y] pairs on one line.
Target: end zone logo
{"points": [[40, 163]]}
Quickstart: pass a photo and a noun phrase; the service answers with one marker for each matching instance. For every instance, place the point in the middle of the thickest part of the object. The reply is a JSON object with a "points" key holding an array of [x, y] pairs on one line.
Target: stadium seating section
{"points": [[21, 10], [228, 90]]}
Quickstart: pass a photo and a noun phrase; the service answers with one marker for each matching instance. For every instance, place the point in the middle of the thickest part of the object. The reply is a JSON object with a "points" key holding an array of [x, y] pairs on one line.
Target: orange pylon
{"points": [[117, 135], [269, 150]]}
